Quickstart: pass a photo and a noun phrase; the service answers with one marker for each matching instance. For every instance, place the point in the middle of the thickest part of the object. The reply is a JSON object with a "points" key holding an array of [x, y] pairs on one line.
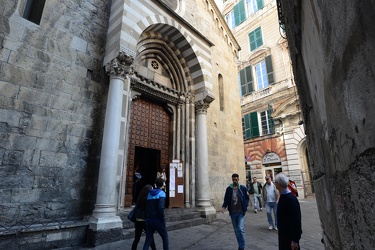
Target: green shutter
{"points": [[271, 80], [258, 37], [255, 38], [243, 82], [270, 119], [249, 79], [254, 124], [260, 4], [239, 13], [247, 126]]}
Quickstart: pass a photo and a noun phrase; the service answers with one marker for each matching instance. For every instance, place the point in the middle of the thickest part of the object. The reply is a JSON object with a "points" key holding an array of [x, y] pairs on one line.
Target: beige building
{"points": [[91, 90], [274, 140]]}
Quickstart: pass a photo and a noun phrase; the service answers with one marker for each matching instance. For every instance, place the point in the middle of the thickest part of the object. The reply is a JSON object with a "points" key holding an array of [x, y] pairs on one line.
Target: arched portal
{"points": [[162, 90]]}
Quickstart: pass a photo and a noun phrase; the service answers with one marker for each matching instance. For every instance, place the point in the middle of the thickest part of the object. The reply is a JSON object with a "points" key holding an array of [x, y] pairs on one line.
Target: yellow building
{"points": [[274, 140]]}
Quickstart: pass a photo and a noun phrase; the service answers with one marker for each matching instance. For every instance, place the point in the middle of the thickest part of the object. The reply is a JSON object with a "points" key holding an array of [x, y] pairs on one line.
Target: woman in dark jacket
{"points": [[140, 224]]}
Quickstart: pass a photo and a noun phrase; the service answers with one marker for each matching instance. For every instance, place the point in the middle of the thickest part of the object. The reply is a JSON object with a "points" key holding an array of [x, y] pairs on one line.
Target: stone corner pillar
{"points": [[203, 202], [104, 220]]}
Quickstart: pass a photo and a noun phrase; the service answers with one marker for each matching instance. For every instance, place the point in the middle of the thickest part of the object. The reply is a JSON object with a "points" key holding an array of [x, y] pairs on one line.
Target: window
{"points": [[34, 10], [250, 125], [221, 92], [253, 128], [246, 81], [253, 6], [267, 122], [261, 74], [263, 77], [264, 73], [239, 13], [229, 18], [255, 38]]}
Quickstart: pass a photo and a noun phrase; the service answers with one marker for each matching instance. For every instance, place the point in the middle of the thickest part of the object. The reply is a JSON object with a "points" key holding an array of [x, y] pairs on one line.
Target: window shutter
{"points": [[249, 79], [269, 70], [242, 81], [239, 13], [254, 124], [260, 4], [270, 119], [246, 126], [252, 41]]}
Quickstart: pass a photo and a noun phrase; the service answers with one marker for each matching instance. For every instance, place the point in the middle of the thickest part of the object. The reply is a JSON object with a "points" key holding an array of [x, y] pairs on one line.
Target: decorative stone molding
{"points": [[121, 66], [203, 104]]}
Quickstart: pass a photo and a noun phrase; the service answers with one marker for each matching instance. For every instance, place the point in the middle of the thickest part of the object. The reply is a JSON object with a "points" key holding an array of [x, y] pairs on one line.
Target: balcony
{"points": [[272, 89]]}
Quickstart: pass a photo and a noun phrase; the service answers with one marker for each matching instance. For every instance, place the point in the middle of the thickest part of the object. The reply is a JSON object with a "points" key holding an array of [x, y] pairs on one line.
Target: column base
{"points": [[207, 212], [105, 223], [104, 230], [101, 237]]}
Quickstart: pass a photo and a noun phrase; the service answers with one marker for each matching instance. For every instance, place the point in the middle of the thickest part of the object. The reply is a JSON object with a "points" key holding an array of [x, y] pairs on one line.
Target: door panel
{"points": [[149, 129]]}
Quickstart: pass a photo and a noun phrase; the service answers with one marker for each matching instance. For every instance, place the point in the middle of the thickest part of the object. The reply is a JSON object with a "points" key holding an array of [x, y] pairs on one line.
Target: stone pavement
{"points": [[220, 235]]}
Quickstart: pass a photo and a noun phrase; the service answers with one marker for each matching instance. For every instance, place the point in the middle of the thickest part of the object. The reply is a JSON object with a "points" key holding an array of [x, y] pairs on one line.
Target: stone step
{"points": [[128, 233], [172, 215]]}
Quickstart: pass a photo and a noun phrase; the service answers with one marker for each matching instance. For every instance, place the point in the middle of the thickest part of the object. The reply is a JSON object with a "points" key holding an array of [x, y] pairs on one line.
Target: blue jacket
{"points": [[244, 196], [155, 205]]}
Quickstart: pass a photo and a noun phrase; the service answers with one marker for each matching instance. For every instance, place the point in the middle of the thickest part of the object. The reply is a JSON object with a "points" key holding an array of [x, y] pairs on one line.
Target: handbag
{"points": [[132, 214]]}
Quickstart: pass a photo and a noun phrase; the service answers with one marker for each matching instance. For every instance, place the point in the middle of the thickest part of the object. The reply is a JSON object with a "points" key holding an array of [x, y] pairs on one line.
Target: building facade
{"points": [[90, 90], [274, 139]]}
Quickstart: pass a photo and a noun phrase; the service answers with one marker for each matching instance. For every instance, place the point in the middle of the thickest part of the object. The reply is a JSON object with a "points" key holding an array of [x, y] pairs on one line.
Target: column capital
{"points": [[121, 66], [203, 102]]}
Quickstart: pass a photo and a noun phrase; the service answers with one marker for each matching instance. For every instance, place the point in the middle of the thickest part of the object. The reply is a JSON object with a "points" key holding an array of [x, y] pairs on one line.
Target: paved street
{"points": [[220, 235]]}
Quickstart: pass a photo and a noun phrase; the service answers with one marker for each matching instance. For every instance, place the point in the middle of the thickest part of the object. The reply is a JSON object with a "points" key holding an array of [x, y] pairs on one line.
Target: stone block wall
{"points": [[332, 49], [52, 97]]}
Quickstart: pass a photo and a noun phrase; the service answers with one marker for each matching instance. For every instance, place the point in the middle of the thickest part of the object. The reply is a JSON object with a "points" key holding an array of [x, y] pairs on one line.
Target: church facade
{"points": [[94, 90]]}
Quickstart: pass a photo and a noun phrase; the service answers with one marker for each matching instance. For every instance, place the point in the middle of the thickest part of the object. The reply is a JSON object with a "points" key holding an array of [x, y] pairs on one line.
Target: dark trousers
{"points": [[139, 227], [161, 228]]}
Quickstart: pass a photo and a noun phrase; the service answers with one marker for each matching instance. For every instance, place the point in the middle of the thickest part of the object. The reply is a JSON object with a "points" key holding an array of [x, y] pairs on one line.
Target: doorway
{"points": [[149, 144]]}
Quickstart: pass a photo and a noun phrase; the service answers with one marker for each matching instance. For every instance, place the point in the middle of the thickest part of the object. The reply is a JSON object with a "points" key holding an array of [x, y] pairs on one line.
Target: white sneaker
{"points": [[270, 227], [261, 209], [276, 229]]}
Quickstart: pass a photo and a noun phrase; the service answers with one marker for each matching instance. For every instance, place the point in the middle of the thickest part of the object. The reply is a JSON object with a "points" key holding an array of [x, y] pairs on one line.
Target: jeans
{"points": [[139, 227], [257, 197], [238, 222], [160, 227], [269, 206]]}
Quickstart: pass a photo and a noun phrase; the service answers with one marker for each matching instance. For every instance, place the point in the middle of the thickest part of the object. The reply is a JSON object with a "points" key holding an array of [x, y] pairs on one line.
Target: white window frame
{"points": [[261, 75], [229, 18], [267, 121], [252, 7]]}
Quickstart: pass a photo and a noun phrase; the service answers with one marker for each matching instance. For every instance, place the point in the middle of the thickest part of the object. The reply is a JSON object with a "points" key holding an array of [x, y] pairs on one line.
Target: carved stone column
{"points": [[203, 192], [104, 216]]}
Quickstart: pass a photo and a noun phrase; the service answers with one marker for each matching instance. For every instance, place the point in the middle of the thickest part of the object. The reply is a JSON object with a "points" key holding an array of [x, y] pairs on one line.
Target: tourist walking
{"points": [[236, 199], [155, 217], [270, 197], [288, 215], [140, 216]]}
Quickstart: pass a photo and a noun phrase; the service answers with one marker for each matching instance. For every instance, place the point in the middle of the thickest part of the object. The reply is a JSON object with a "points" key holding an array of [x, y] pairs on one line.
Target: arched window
{"points": [[221, 92]]}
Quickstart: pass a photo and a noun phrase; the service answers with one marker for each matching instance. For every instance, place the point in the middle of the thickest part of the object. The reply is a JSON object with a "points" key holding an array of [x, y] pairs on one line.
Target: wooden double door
{"points": [[149, 144]]}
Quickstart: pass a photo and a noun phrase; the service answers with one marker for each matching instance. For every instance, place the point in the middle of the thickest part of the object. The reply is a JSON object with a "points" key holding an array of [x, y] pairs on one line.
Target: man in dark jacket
{"points": [[155, 217], [237, 199], [288, 215]]}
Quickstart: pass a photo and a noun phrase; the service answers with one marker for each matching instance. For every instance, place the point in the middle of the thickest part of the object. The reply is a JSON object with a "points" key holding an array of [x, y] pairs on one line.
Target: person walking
{"points": [[140, 215], [162, 174], [288, 215], [155, 217], [270, 197], [236, 198], [256, 190]]}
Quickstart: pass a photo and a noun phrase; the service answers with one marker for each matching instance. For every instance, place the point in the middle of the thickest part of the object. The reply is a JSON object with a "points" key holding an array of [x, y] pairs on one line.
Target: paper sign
{"points": [[180, 189], [172, 193], [179, 173]]}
